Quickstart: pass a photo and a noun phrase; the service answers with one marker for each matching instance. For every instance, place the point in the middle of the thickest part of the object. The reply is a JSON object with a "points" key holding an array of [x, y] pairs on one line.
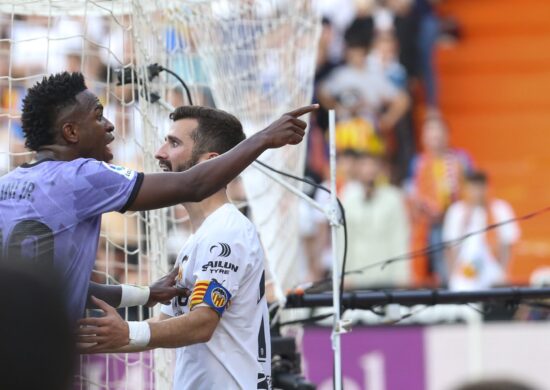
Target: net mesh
{"points": [[259, 63], [253, 59]]}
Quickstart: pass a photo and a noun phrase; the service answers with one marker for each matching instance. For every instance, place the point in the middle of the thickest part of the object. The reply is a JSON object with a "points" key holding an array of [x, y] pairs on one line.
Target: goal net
{"points": [[254, 59]]}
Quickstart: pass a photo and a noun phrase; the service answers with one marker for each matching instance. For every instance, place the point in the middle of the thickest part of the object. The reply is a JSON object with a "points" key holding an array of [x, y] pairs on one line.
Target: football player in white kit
{"points": [[221, 330]]}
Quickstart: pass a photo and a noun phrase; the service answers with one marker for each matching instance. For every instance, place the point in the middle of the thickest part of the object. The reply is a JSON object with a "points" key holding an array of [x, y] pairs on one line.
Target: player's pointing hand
{"points": [[288, 129]]}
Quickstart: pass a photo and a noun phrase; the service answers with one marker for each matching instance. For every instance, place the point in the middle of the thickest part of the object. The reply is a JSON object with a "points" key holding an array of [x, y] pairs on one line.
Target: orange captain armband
{"points": [[211, 293]]}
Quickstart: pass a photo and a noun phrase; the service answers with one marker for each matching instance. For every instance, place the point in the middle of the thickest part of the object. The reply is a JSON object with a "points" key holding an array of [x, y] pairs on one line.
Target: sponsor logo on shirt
{"points": [[125, 172], [220, 267], [225, 249]]}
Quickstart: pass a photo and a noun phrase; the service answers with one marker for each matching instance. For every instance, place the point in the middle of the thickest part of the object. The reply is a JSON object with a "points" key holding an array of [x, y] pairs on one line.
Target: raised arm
{"points": [[166, 189]]}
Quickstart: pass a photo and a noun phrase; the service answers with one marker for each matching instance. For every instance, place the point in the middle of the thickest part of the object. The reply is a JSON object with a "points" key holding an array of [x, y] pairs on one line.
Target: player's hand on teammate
{"points": [[288, 129], [102, 334], [164, 289]]}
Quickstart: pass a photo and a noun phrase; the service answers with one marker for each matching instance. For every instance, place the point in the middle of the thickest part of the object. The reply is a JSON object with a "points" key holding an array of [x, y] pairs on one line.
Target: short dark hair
{"points": [[42, 104], [360, 33], [218, 131], [477, 177]]}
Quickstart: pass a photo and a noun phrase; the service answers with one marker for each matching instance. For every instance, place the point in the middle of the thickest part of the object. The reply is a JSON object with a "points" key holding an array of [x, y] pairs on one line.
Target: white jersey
{"points": [[476, 266], [225, 249]]}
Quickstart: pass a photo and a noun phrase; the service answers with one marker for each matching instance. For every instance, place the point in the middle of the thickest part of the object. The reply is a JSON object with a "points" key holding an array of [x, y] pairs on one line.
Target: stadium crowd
{"points": [[403, 185]]}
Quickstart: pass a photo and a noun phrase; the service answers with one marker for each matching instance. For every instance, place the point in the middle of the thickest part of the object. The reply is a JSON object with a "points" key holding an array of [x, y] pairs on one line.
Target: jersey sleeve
{"points": [[508, 233], [220, 267], [451, 223], [100, 188]]}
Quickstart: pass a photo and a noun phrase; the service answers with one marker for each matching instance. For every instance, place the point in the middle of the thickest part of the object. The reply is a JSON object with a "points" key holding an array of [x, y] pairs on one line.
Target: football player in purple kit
{"points": [[50, 210]]}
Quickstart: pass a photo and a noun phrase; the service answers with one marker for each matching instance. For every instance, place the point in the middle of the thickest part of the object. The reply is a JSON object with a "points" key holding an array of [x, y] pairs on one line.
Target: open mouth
{"points": [[165, 166], [108, 150]]}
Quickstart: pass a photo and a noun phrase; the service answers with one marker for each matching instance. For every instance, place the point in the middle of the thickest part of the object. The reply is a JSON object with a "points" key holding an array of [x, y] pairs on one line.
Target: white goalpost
{"points": [[255, 59]]}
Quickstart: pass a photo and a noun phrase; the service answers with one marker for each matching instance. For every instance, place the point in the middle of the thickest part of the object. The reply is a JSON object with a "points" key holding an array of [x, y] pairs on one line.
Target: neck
{"points": [[56, 152], [199, 211], [369, 189], [440, 152]]}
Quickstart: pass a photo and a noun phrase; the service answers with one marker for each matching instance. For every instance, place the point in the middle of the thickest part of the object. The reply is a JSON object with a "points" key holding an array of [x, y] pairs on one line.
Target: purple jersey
{"points": [[50, 212]]}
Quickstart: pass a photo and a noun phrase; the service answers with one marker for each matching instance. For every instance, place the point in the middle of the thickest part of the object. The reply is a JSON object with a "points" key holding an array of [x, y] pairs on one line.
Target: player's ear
{"points": [[211, 155], [69, 133]]}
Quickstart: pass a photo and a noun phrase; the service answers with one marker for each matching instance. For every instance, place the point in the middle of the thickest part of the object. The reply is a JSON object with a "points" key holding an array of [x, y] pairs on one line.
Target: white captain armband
{"points": [[133, 295], [139, 333]]}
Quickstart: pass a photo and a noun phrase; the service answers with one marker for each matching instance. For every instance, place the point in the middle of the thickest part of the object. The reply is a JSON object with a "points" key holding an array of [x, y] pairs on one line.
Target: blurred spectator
{"points": [[384, 58], [340, 13], [312, 234], [428, 33], [478, 262], [366, 102], [324, 66], [405, 26], [346, 182], [437, 179], [378, 228]]}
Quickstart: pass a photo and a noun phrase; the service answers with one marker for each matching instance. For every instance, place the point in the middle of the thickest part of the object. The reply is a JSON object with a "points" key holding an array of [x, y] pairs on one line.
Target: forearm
{"points": [[451, 255], [195, 327], [133, 348], [212, 175], [108, 293], [396, 110], [202, 180], [504, 255], [123, 295]]}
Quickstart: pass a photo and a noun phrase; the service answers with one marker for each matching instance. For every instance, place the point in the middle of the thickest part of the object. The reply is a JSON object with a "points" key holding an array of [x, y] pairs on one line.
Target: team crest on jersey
{"points": [[217, 296], [125, 172]]}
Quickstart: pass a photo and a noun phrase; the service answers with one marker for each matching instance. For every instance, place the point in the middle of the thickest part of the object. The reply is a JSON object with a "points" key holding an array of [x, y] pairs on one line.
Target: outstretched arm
{"points": [[124, 295], [111, 333], [167, 189]]}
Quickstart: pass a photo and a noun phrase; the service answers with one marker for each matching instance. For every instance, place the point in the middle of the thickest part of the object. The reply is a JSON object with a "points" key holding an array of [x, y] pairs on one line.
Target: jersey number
{"points": [[31, 241]]}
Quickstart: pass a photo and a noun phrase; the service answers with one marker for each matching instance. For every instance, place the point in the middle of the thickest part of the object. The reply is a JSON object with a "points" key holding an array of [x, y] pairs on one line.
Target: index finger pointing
{"points": [[303, 110]]}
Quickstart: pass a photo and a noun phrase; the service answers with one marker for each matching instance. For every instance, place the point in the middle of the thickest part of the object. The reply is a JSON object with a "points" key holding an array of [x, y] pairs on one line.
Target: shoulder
{"points": [[52, 167], [106, 172], [501, 207], [455, 209], [231, 225], [230, 237], [463, 158], [457, 206], [392, 192]]}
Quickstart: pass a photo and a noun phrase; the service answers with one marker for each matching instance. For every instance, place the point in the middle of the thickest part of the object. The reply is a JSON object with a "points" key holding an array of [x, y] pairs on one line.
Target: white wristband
{"points": [[133, 295], [139, 334]]}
